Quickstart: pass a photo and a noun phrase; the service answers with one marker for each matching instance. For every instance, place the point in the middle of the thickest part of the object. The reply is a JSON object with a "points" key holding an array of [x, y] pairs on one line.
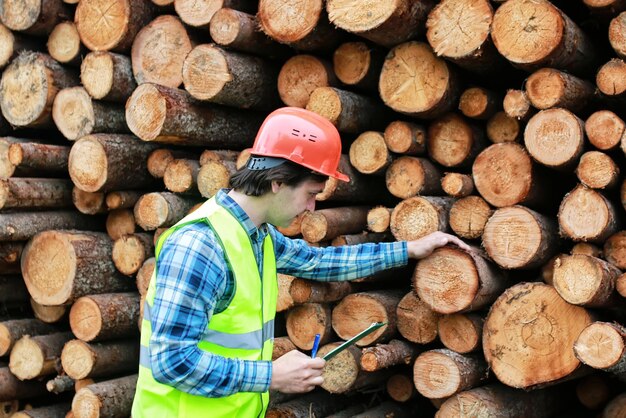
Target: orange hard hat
{"points": [[303, 137]]}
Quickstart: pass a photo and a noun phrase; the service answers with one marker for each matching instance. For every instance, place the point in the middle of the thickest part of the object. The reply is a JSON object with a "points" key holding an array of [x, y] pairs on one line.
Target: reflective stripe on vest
{"points": [[245, 329]]}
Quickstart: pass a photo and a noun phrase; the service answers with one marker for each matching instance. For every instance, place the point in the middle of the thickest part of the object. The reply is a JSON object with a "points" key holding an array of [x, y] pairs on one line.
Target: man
{"points": [[207, 332]]}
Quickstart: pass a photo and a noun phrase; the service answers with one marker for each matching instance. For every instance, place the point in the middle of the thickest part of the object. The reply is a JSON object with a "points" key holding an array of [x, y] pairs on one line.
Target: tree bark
{"points": [[378, 219], [64, 44], [602, 345], [499, 401], [21, 226], [29, 104], [458, 30], [516, 237], [111, 26], [349, 112], [12, 330], [369, 154], [415, 82], [547, 88], [517, 105], [130, 251], [77, 115], [357, 311], [109, 398], [358, 65], [82, 266], [457, 184], [405, 138], [216, 75], [479, 102], [386, 24], [597, 170], [81, 360], [586, 215], [303, 26], [418, 216], [505, 175], [37, 157], [31, 193], [400, 387], [451, 280], [329, 223], [453, 142], [87, 202], [317, 404], [107, 76], [382, 356], [300, 75], [503, 128], [238, 30], [461, 333], [310, 291], [409, 176], [441, 372], [553, 41], [34, 18], [360, 238], [417, 323], [60, 384], [605, 130], [12, 388], [306, 320], [58, 410], [162, 114], [528, 335], [37, 356], [105, 162], [585, 280], [162, 209]]}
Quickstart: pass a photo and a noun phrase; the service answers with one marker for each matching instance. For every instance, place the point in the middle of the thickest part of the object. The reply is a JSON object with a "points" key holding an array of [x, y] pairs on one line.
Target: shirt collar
{"points": [[224, 200]]}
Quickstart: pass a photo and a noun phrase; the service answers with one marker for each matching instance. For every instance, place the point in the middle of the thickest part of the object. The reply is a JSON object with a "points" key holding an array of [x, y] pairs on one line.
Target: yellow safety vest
{"points": [[244, 330]]}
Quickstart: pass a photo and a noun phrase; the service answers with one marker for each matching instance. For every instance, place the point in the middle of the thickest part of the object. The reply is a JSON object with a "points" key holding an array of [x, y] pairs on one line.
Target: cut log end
{"points": [[49, 264], [369, 153], [289, 24], [597, 170], [7, 40], [469, 215], [149, 112], [96, 73], [87, 164], [436, 375], [77, 359], [554, 137], [73, 113], [314, 227], [406, 176], [610, 78], [85, 319], [203, 60], [586, 215], [151, 211], [516, 104], [64, 42], [447, 280], [27, 359], [102, 26], [604, 129], [351, 62], [213, 176], [405, 138], [416, 321], [378, 219], [414, 218], [86, 404], [341, 371], [600, 345], [129, 253], [503, 128], [325, 101]]}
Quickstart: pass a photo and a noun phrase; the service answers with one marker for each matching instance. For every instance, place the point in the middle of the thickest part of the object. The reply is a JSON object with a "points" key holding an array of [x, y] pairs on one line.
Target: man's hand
{"points": [[424, 246], [295, 372]]}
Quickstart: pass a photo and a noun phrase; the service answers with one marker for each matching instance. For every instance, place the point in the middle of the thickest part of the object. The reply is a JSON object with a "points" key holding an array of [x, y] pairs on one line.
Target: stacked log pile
{"points": [[502, 122]]}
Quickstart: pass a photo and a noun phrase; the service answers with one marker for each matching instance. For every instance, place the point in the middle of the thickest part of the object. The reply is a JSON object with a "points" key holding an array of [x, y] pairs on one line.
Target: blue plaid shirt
{"points": [[194, 281]]}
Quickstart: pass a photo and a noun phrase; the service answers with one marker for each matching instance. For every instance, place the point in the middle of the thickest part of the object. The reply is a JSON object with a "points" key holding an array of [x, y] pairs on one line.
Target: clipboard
{"points": [[351, 341]]}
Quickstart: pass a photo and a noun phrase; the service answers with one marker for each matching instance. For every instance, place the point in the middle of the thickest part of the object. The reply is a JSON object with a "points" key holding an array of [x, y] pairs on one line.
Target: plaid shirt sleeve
{"points": [[191, 279], [297, 258]]}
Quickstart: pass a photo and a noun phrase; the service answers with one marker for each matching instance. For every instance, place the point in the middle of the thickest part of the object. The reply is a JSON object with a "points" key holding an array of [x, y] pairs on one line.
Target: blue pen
{"points": [[316, 344]]}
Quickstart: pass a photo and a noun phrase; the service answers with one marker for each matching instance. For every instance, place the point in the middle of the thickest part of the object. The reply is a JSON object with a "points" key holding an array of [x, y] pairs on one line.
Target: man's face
{"points": [[291, 201]]}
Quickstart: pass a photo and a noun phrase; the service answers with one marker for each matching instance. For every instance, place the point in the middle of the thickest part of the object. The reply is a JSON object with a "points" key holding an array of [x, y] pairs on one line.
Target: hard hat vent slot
{"points": [[298, 134]]}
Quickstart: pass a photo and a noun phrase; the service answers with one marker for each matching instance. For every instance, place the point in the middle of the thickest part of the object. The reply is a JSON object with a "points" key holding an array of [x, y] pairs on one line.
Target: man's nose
{"points": [[311, 205]]}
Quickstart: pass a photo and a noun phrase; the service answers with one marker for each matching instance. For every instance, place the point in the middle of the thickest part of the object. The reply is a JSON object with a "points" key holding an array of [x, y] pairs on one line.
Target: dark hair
{"points": [[259, 182]]}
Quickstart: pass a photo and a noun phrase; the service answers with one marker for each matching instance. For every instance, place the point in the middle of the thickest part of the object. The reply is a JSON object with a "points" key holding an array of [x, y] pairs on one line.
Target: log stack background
{"points": [[501, 122]]}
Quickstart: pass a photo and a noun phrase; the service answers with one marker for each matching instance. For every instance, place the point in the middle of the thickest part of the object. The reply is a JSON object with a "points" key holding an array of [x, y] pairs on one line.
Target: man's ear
{"points": [[276, 185]]}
